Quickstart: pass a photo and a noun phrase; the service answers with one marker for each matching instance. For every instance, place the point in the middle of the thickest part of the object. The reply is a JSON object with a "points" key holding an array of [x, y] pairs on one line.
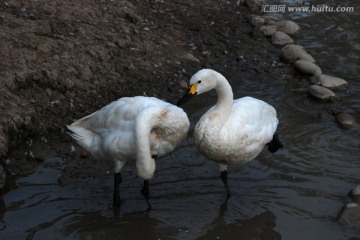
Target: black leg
{"points": [[117, 181], [224, 178], [145, 190], [146, 193]]}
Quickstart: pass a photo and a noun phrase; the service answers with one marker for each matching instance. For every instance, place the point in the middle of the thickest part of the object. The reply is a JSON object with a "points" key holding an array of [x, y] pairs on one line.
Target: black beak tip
{"points": [[184, 99]]}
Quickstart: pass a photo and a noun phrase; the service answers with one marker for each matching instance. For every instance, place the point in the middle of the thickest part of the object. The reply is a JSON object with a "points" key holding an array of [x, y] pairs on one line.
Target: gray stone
{"points": [[256, 21], [183, 84], [288, 27], [347, 121], [257, 33], [280, 38], [256, 6], [349, 214], [307, 67], [355, 193], [268, 30], [272, 17], [329, 81], [292, 53], [321, 93], [190, 58]]}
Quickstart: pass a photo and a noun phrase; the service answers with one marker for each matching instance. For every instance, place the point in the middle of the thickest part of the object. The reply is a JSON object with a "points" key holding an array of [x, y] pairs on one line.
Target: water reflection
{"points": [[261, 226], [94, 225]]}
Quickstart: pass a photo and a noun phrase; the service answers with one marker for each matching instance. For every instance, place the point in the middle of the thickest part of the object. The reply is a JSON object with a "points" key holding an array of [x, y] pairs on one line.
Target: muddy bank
{"points": [[63, 60]]}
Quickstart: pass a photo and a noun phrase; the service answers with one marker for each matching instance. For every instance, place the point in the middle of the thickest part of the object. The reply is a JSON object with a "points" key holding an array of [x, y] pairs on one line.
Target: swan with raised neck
{"points": [[232, 131]]}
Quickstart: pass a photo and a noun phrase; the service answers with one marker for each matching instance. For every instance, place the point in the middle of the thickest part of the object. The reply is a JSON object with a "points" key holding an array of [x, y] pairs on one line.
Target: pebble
{"points": [[268, 30], [349, 214], [183, 84], [122, 43], [292, 53], [288, 27], [329, 81], [307, 67], [191, 58], [256, 21], [321, 93], [272, 17], [347, 121], [279, 38], [255, 6], [355, 193]]}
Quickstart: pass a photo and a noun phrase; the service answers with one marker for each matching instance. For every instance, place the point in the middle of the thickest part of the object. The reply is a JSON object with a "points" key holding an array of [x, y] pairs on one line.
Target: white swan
{"points": [[233, 131], [136, 129]]}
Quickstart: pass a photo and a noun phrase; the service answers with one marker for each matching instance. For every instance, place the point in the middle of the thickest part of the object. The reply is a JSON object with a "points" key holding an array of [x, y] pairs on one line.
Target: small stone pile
{"points": [[281, 33]]}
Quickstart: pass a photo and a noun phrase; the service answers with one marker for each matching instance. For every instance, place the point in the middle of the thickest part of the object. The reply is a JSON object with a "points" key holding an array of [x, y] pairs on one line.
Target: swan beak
{"points": [[188, 95]]}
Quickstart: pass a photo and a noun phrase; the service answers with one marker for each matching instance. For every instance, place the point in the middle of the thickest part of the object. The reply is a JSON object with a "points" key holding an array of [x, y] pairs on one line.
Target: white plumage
{"points": [[233, 131], [132, 129]]}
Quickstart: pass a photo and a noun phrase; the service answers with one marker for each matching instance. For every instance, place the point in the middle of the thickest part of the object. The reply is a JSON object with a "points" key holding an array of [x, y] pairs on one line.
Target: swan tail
{"points": [[81, 135], [275, 144]]}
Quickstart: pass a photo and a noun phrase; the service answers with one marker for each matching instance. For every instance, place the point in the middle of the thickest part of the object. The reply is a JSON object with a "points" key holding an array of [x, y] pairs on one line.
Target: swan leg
{"points": [[117, 181], [224, 178], [145, 191]]}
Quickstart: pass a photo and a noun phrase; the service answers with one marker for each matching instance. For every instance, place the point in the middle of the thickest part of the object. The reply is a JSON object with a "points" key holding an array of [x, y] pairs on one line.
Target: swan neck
{"points": [[144, 123], [225, 97]]}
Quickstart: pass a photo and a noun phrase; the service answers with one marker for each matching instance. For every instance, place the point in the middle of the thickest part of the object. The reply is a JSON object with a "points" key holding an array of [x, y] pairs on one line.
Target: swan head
{"points": [[202, 81]]}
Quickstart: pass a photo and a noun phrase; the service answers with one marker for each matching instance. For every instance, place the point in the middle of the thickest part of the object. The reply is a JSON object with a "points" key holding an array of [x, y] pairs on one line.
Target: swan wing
{"points": [[254, 118], [111, 125]]}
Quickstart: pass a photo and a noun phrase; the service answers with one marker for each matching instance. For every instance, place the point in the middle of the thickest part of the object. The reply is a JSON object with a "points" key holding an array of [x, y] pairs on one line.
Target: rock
{"points": [[256, 21], [280, 38], [292, 53], [255, 6], [288, 27], [183, 84], [190, 58], [347, 121], [268, 30], [349, 214], [355, 193], [329, 81], [321, 93], [257, 33], [307, 67], [272, 17], [2, 177], [122, 43]]}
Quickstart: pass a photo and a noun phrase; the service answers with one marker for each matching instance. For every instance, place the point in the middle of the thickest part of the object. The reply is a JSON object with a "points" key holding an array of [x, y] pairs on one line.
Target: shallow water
{"points": [[295, 193]]}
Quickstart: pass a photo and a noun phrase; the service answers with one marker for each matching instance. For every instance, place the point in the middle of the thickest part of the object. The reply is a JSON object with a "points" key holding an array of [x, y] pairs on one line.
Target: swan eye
{"points": [[199, 81]]}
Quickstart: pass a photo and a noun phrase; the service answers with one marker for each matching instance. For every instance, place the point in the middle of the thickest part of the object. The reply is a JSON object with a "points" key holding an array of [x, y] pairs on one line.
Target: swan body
{"points": [[251, 124], [137, 129], [232, 131]]}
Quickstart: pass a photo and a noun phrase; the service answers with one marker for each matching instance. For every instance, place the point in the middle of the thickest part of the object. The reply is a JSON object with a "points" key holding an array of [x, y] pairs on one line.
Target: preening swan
{"points": [[136, 129], [232, 131]]}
